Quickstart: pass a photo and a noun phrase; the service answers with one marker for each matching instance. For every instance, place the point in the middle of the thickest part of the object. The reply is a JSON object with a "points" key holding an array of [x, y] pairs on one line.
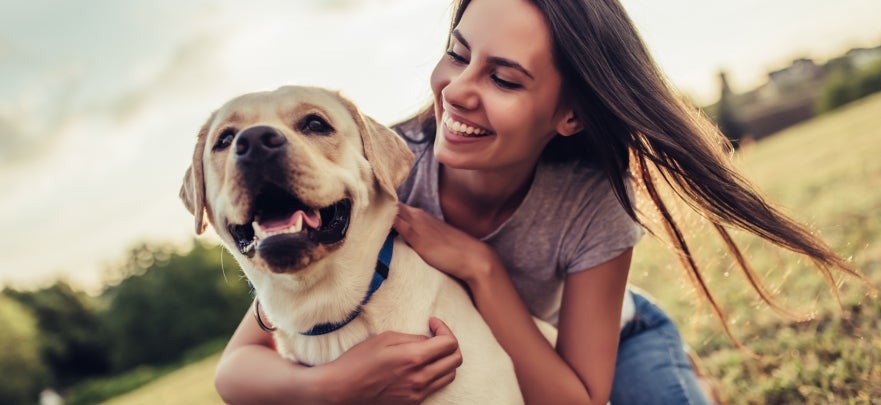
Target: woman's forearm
{"points": [[544, 377], [256, 374], [250, 371]]}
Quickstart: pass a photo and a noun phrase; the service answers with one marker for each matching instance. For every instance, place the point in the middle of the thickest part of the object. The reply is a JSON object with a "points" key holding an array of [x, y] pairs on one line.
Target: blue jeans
{"points": [[652, 366]]}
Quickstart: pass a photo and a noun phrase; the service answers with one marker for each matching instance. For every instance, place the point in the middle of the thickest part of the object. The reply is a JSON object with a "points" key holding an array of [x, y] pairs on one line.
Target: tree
{"points": [[72, 340], [173, 302]]}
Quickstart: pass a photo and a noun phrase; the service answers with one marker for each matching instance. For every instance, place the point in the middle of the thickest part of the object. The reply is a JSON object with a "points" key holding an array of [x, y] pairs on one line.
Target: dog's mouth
{"points": [[279, 216]]}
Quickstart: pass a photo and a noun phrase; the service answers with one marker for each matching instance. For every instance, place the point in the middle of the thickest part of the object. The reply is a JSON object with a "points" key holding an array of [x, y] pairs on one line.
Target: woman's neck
{"points": [[477, 201]]}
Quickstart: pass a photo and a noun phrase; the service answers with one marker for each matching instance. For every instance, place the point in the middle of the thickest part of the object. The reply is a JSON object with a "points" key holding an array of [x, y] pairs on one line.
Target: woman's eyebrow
{"points": [[495, 60], [509, 63], [460, 38]]}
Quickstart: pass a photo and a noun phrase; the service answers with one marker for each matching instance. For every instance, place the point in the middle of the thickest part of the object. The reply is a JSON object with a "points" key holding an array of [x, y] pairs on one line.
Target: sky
{"points": [[100, 100]]}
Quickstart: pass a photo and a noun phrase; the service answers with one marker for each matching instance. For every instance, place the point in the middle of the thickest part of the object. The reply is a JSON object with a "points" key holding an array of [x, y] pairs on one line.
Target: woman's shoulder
{"points": [[578, 188], [569, 175]]}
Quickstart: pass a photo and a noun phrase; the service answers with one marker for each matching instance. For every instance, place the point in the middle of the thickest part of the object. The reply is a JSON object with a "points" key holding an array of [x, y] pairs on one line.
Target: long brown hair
{"points": [[634, 122]]}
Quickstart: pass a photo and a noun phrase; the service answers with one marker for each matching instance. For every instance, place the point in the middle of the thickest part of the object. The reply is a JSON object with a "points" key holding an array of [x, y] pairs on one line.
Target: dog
{"points": [[300, 186]]}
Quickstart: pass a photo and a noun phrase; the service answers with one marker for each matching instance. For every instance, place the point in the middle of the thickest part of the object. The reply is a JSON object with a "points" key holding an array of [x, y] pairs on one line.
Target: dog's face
{"points": [[281, 174]]}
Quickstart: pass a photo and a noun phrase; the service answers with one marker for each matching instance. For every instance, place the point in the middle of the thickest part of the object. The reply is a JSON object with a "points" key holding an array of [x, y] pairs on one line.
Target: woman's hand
{"points": [[390, 368], [396, 368], [444, 247]]}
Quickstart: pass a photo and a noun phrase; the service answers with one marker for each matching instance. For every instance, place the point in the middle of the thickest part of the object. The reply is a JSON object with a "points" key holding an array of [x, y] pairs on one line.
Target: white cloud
{"points": [[100, 100], [106, 172]]}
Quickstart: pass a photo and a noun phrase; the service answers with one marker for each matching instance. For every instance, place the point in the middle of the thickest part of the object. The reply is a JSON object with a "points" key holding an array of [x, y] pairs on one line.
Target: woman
{"points": [[540, 110]]}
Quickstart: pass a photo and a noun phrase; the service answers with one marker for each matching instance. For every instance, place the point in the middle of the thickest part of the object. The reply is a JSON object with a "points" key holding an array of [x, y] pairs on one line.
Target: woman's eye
{"points": [[456, 58], [225, 139], [313, 124], [505, 84]]}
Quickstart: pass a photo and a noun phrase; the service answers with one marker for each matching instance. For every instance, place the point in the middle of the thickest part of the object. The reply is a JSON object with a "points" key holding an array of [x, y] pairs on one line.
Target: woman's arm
{"points": [[582, 367], [390, 368]]}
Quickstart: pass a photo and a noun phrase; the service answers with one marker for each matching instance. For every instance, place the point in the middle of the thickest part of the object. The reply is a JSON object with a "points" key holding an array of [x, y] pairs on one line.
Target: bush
{"points": [[24, 374]]}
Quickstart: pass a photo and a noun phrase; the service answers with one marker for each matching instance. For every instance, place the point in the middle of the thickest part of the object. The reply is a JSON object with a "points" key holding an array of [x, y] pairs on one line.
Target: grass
{"points": [[825, 173], [188, 379], [189, 385]]}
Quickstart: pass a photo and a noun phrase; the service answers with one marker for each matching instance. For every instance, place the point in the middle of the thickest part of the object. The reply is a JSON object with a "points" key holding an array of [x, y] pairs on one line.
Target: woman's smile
{"points": [[464, 129]]}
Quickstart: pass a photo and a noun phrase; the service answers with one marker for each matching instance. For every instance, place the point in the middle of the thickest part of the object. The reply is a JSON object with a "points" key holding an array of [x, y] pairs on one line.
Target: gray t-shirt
{"points": [[569, 221]]}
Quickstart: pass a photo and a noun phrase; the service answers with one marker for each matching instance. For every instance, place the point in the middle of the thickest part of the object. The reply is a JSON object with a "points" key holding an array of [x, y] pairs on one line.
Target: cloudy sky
{"points": [[100, 100]]}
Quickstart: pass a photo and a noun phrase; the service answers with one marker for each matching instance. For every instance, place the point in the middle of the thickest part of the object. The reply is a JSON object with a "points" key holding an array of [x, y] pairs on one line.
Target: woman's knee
{"points": [[653, 366]]}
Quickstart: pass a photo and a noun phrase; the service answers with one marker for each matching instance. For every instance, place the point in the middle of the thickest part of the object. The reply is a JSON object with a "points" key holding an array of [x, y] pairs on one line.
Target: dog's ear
{"points": [[192, 191], [387, 153]]}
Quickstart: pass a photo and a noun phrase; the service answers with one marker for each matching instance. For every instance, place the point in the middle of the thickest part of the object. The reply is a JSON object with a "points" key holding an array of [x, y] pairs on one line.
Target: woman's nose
{"points": [[461, 92]]}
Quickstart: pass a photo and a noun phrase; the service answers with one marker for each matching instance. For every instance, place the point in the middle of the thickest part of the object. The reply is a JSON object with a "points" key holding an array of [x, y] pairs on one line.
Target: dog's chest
{"points": [[321, 349], [397, 306]]}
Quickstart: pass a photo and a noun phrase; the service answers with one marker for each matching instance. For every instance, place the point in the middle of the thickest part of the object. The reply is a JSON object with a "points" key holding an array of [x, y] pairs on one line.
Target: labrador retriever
{"points": [[300, 186]]}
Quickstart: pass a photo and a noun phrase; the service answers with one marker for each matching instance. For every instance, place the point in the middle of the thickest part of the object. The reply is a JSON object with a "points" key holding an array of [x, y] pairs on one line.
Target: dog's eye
{"points": [[313, 124], [225, 139]]}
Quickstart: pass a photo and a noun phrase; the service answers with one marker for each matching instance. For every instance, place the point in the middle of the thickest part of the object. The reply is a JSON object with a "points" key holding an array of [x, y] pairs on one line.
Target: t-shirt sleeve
{"points": [[420, 164], [601, 231]]}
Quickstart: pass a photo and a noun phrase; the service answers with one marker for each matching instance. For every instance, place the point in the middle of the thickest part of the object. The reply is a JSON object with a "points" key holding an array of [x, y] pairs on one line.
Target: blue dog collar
{"points": [[379, 276]]}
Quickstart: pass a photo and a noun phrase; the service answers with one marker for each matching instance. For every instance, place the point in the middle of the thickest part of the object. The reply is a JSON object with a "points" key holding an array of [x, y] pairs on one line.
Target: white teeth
{"points": [[297, 226], [258, 231], [463, 129], [250, 247]]}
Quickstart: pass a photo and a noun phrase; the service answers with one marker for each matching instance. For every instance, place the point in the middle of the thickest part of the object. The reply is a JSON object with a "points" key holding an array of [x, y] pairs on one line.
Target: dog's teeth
{"points": [[258, 231], [262, 233], [298, 224], [249, 249]]}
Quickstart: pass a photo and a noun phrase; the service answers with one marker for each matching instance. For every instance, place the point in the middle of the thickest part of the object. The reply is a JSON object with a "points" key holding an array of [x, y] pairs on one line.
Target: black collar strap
{"points": [[381, 273]]}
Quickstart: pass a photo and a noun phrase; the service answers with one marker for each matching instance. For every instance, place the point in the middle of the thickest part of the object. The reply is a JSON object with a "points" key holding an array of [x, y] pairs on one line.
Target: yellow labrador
{"points": [[301, 188]]}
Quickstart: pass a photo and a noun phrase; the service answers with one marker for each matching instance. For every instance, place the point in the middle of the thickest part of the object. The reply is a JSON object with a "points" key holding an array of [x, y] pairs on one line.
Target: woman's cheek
{"points": [[440, 77]]}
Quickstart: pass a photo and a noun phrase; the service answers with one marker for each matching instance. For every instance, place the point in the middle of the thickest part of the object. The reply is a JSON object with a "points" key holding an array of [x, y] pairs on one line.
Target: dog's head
{"points": [[280, 175]]}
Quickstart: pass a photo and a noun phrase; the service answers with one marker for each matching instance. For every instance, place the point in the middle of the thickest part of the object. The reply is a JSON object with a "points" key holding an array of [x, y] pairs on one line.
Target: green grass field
{"points": [[826, 173], [190, 385]]}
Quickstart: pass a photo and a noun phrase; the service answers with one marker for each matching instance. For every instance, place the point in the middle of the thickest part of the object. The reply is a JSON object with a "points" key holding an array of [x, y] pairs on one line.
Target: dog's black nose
{"points": [[257, 143]]}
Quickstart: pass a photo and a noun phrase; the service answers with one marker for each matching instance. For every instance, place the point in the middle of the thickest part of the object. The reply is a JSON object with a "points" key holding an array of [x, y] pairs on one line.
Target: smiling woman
{"points": [[543, 114]]}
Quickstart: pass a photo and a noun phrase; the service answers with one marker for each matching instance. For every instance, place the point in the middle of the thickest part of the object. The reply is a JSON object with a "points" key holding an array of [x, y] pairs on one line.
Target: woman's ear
{"points": [[569, 124]]}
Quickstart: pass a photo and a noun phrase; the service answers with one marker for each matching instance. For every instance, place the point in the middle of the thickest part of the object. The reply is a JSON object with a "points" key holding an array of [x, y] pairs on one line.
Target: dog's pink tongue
{"points": [[313, 222]]}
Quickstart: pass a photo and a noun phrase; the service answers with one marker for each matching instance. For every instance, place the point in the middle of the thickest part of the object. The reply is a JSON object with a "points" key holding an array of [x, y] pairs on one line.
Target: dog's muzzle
{"points": [[282, 228]]}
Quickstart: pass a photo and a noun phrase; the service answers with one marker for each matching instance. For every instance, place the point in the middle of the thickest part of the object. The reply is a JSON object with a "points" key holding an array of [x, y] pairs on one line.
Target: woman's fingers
{"points": [[441, 381], [444, 365], [390, 338], [439, 327], [404, 210], [404, 228], [442, 358]]}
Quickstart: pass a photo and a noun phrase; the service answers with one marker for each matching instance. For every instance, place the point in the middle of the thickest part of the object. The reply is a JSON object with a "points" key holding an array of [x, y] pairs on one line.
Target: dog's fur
{"points": [[301, 282]]}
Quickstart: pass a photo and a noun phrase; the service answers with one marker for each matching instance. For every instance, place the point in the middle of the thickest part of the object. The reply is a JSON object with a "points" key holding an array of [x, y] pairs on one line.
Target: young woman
{"points": [[523, 188]]}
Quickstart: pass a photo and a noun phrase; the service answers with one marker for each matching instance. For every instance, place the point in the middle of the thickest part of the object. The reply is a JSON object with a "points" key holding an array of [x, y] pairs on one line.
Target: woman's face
{"points": [[496, 91]]}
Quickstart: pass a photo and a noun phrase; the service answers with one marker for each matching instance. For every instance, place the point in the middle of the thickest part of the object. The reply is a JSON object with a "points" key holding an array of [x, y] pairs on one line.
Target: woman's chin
{"points": [[453, 158]]}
